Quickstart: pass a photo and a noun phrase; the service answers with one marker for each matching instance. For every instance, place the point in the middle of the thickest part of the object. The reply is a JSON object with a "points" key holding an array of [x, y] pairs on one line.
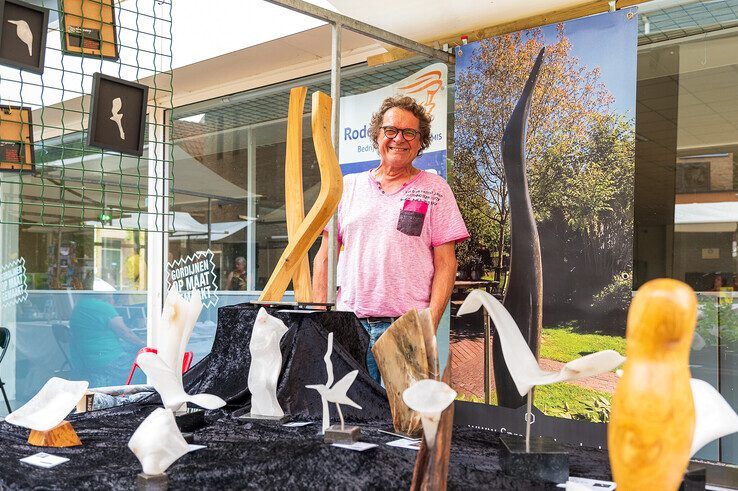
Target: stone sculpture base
{"points": [[547, 460], [694, 480], [62, 435], [349, 434], [147, 482]]}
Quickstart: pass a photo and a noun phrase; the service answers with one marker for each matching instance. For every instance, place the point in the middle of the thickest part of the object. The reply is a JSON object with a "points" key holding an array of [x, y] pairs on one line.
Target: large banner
{"points": [[578, 167], [428, 87]]}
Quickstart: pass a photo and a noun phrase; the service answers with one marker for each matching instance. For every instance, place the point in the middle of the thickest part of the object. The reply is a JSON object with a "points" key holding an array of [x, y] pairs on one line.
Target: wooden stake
{"points": [[62, 435]]}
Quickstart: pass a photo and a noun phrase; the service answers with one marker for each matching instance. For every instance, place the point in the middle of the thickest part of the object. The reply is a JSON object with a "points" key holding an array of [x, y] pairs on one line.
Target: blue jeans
{"points": [[375, 329]]}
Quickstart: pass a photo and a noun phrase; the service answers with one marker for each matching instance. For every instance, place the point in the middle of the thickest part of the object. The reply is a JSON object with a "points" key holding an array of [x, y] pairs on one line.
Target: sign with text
{"points": [[195, 272], [428, 87], [13, 282]]}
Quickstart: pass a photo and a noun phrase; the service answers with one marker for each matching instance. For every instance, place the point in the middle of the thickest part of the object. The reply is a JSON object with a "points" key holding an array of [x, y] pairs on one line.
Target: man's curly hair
{"points": [[408, 104]]}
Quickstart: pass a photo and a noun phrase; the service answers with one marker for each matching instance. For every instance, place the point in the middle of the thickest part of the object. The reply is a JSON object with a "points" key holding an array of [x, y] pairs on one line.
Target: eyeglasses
{"points": [[408, 134]]}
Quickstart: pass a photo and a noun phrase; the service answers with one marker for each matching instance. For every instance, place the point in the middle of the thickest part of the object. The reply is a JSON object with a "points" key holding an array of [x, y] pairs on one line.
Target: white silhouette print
{"points": [[117, 116], [24, 33]]}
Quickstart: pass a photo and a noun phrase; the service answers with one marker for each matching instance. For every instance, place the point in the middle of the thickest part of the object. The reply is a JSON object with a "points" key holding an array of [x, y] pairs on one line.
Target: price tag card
{"points": [[45, 460], [191, 447], [405, 443], [358, 446], [297, 424]]}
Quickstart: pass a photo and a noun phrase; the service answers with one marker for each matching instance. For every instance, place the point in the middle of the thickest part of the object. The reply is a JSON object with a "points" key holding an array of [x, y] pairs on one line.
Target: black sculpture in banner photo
{"points": [[23, 35], [16, 139], [117, 115]]}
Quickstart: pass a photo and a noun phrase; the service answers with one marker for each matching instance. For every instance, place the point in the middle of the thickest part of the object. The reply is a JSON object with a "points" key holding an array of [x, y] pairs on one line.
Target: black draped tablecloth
{"points": [[242, 454]]}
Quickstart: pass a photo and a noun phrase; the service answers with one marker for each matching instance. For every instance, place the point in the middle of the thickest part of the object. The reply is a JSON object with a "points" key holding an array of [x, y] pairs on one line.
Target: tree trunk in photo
{"points": [[523, 298]]}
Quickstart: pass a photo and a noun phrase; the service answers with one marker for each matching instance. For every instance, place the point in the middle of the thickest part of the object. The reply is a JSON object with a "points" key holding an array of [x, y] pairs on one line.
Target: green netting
{"points": [[74, 185]]}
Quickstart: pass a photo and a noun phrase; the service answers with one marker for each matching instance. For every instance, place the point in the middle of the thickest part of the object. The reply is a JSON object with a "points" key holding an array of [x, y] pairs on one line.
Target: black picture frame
{"points": [[13, 51], [91, 20], [102, 132]]}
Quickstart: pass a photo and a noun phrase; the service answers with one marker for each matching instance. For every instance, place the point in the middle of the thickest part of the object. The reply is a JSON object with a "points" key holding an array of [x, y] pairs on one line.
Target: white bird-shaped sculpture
{"points": [[168, 383], [713, 416], [117, 117], [50, 405], [522, 364], [24, 33], [336, 394], [157, 442]]}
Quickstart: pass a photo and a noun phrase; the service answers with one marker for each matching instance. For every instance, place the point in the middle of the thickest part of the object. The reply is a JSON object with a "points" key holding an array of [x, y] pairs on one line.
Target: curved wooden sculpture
{"points": [[294, 201], [331, 187], [652, 419], [525, 284]]}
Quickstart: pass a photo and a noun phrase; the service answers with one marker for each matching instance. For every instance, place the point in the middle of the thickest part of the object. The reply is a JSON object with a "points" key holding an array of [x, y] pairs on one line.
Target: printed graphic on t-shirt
{"points": [[412, 217], [426, 196]]}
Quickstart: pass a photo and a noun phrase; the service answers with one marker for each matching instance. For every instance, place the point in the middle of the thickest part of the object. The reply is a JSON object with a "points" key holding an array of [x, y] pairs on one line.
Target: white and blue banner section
{"points": [[428, 87]]}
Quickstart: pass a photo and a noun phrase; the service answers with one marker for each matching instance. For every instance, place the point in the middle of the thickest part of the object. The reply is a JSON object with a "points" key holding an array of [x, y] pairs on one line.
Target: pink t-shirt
{"points": [[386, 265]]}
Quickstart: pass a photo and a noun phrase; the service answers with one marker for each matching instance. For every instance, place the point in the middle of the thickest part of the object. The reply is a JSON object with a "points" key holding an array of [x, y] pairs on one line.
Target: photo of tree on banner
{"points": [[579, 157]]}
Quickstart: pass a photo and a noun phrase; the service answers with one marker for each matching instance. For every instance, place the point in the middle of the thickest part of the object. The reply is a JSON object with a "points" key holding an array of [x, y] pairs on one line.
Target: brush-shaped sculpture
{"points": [[335, 393], [157, 442], [429, 398], [44, 414], [524, 295], [331, 187], [405, 354], [652, 430], [294, 203], [523, 367], [24, 33], [266, 364]]}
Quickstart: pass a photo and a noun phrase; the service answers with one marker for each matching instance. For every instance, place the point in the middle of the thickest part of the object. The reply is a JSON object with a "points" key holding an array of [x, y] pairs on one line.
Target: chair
{"points": [[186, 361], [62, 337], [4, 343]]}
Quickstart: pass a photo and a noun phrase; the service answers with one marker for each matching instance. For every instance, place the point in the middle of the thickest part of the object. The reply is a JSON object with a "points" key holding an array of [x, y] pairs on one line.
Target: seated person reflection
{"points": [[103, 347], [237, 279]]}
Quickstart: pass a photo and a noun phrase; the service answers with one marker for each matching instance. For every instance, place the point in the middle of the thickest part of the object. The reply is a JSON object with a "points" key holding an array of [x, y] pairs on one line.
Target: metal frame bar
{"points": [[363, 28]]}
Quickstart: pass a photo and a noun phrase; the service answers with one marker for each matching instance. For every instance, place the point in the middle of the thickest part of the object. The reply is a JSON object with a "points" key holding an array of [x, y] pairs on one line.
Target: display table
{"points": [[242, 454]]}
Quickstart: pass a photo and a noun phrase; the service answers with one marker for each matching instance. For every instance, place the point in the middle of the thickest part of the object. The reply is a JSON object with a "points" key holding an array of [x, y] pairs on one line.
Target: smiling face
{"points": [[397, 152]]}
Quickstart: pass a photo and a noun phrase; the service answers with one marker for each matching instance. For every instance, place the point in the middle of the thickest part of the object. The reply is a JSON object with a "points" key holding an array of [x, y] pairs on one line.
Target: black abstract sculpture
{"points": [[525, 282]]}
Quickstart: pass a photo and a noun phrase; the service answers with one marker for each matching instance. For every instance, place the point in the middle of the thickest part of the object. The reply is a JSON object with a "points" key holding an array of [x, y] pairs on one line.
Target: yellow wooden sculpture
{"points": [[294, 200], [652, 418], [331, 187]]}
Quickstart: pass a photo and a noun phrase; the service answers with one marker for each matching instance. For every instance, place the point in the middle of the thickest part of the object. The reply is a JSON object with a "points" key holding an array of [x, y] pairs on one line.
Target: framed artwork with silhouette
{"points": [[23, 29], [88, 28], [16, 139], [117, 115]]}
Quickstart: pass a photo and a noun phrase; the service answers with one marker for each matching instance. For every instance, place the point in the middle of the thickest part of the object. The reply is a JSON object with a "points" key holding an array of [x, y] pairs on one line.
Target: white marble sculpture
{"points": [[117, 117], [157, 442], [429, 398], [522, 364], [48, 408], [713, 416], [168, 383], [178, 318], [337, 392], [24, 33], [266, 364]]}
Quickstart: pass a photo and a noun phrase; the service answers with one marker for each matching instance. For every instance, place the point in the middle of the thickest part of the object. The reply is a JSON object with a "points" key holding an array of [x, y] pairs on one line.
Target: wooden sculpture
{"points": [[331, 187], [431, 465], [403, 358], [652, 419], [525, 284], [294, 201]]}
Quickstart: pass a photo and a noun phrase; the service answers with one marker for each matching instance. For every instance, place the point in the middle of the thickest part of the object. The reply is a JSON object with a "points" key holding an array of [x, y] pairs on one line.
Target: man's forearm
{"points": [[320, 278], [443, 282]]}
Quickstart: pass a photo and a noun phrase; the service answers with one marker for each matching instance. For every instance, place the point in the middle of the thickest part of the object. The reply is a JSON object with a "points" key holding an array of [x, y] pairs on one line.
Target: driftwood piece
{"points": [[294, 204], [62, 435], [331, 187], [525, 284], [652, 419], [402, 359], [431, 468]]}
